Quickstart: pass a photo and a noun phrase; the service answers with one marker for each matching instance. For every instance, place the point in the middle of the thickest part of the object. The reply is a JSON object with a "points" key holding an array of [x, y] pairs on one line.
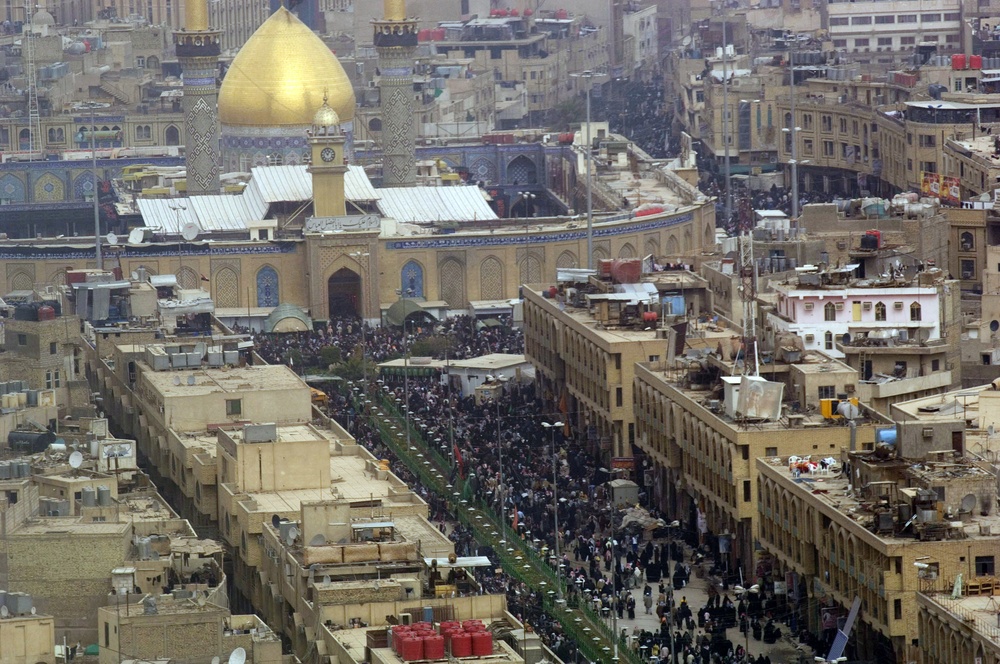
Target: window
{"points": [[826, 123], [843, 121], [618, 397], [234, 407], [927, 140], [915, 311], [967, 268], [880, 311], [984, 565], [771, 451], [828, 340], [22, 340], [107, 635], [897, 609], [967, 241], [952, 16], [930, 18], [935, 365], [829, 311], [52, 379], [885, 41], [861, 43], [827, 148], [907, 41], [839, 20], [807, 121], [807, 146], [140, 62], [861, 20], [885, 20], [840, 43], [827, 391], [746, 491], [928, 166], [53, 348], [906, 18], [143, 132]]}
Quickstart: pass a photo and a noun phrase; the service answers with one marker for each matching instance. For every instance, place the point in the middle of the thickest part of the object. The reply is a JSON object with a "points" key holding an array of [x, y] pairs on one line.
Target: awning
{"points": [[461, 561], [403, 309]]}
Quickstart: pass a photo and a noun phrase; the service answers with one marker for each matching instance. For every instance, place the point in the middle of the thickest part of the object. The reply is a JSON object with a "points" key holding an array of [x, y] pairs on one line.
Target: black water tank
{"points": [[30, 441]]}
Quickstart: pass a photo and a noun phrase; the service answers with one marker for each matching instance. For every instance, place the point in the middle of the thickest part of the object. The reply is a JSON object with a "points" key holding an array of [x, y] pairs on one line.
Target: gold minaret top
{"points": [[196, 15], [395, 10]]}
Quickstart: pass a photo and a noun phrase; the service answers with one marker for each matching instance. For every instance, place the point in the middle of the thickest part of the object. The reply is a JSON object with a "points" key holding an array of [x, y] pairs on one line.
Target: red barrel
{"points": [[649, 316], [566, 138], [433, 647], [461, 644], [975, 62], [626, 271], [411, 648], [958, 62], [46, 312], [471, 624], [439, 34], [562, 14], [482, 644]]}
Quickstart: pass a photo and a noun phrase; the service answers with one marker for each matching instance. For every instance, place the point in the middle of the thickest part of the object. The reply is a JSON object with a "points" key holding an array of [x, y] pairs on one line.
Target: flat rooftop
{"points": [[166, 605], [257, 378], [954, 405], [69, 526], [355, 641], [980, 610], [832, 489], [487, 362]]}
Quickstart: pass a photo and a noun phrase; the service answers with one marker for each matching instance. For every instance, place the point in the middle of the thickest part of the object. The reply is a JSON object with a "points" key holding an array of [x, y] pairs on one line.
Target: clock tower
{"points": [[328, 165]]}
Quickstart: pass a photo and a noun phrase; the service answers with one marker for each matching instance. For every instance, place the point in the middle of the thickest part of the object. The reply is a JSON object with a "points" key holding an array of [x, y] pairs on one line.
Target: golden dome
{"points": [[280, 76], [326, 116]]}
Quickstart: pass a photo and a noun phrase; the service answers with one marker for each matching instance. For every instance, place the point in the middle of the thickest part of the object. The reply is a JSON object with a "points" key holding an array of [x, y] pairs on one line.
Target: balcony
{"points": [[866, 391]]}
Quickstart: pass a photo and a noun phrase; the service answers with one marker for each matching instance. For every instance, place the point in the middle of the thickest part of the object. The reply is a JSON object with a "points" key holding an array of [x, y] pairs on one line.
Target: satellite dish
{"points": [[75, 460], [990, 430], [136, 236], [111, 238], [134, 275], [189, 231], [216, 660], [846, 339], [686, 41], [848, 410], [275, 521], [318, 540], [4, 612], [293, 533], [177, 380], [238, 656], [326, 578], [34, 610], [201, 601], [968, 502]]}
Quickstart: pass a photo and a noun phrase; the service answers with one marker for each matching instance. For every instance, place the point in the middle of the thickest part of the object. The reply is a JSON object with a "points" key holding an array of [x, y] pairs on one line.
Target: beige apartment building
{"points": [[894, 528], [701, 453], [958, 630], [27, 639]]}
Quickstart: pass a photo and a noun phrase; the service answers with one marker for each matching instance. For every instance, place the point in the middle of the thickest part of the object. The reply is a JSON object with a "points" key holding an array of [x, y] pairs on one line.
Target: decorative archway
{"points": [[227, 288], [627, 251], [531, 270], [600, 254], [411, 279], [344, 292], [452, 278], [491, 279], [187, 278], [267, 287], [522, 170], [567, 259], [673, 246], [21, 281]]}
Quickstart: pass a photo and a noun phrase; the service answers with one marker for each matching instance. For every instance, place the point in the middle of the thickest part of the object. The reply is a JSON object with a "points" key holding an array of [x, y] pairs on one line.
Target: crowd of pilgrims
{"points": [[599, 569]]}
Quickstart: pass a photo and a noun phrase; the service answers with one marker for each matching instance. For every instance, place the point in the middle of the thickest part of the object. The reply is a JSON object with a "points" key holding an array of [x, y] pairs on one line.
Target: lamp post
{"points": [[97, 188], [670, 616], [795, 139], [589, 75], [725, 115], [358, 255], [527, 199], [503, 503], [614, 570], [176, 207], [552, 428], [742, 593]]}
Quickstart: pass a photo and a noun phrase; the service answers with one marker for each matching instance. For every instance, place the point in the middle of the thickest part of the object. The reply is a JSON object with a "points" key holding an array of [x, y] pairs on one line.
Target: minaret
{"points": [[328, 166], [395, 42], [198, 53]]}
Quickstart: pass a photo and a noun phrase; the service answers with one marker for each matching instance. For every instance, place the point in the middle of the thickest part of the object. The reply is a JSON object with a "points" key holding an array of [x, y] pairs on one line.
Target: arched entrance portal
{"points": [[344, 293]]}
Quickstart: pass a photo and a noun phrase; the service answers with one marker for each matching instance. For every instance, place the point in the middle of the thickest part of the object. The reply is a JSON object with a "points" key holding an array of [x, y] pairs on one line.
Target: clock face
{"points": [[327, 154]]}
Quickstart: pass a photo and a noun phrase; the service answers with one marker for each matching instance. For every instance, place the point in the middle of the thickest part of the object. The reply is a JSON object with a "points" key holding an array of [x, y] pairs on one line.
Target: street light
{"points": [[824, 660], [794, 161], [552, 428], [527, 198], [358, 255], [589, 75], [503, 504], [742, 593]]}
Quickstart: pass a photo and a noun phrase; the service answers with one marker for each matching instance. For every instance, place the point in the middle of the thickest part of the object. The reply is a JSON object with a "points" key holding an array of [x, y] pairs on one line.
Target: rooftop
{"points": [[859, 504], [262, 378], [978, 610]]}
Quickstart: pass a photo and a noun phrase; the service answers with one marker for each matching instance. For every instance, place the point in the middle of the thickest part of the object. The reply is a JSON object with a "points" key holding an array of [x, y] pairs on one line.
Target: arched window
{"points": [[173, 135], [829, 311], [880, 311], [267, 287], [915, 311], [967, 241]]}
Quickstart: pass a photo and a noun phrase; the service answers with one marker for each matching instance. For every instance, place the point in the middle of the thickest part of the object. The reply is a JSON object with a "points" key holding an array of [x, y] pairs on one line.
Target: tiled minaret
{"points": [[198, 48], [395, 42]]}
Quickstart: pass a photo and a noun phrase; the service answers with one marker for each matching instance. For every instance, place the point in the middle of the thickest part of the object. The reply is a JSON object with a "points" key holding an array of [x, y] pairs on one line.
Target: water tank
{"points": [[904, 512], [626, 271], [482, 644], [975, 62], [958, 62], [30, 441], [88, 496], [928, 516], [32, 398], [434, 647], [411, 648], [4, 470], [461, 644], [103, 496], [45, 312]]}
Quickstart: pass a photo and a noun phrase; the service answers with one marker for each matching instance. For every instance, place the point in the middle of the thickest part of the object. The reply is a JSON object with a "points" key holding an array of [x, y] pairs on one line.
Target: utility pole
{"points": [[725, 115]]}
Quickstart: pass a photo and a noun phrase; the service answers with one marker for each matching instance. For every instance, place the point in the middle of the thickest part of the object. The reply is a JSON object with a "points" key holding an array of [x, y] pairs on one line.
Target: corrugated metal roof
{"points": [[425, 205], [293, 183]]}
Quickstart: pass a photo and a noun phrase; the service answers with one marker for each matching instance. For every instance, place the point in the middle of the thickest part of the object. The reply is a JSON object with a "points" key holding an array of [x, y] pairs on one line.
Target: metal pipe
{"points": [[590, 187], [795, 139], [97, 203]]}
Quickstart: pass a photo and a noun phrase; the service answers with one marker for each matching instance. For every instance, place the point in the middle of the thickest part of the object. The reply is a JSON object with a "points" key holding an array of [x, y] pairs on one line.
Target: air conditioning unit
{"points": [[839, 306], [867, 306], [928, 432], [897, 305], [810, 338], [809, 306], [405, 618]]}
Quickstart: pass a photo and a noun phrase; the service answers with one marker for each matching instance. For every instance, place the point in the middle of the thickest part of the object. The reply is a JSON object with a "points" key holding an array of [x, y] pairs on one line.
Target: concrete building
{"points": [[857, 540], [700, 452], [894, 27], [957, 629], [584, 341], [27, 639]]}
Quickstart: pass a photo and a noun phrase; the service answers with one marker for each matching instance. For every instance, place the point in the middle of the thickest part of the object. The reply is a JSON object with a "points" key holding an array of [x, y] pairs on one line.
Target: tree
{"points": [[569, 112]]}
